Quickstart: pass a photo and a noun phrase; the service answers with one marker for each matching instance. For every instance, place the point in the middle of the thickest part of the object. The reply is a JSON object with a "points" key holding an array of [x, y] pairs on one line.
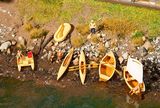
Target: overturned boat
{"points": [[62, 32]]}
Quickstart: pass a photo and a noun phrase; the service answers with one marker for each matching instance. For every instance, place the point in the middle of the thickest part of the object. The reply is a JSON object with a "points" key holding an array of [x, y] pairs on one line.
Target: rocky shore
{"points": [[45, 73], [46, 69]]}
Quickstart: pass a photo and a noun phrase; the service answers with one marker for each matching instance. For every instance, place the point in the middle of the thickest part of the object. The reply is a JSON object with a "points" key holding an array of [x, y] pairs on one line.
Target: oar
{"points": [[106, 64], [76, 66], [73, 69], [120, 74]]}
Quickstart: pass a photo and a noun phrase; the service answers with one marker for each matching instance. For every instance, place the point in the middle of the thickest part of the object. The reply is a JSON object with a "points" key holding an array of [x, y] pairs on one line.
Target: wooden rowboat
{"points": [[62, 32], [82, 67], [133, 75], [107, 67], [65, 63]]}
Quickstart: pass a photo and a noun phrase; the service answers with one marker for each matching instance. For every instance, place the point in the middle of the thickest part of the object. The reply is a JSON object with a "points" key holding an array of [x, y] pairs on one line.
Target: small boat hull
{"points": [[133, 82], [62, 32], [107, 67], [82, 67], [26, 61], [65, 64]]}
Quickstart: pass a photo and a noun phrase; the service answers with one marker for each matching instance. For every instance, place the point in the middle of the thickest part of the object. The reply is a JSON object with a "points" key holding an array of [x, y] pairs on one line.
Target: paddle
{"points": [[89, 66], [81, 68], [83, 65], [107, 64]]}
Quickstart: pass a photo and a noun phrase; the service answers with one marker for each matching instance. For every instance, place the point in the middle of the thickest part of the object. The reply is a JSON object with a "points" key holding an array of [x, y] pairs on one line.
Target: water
{"points": [[17, 94]]}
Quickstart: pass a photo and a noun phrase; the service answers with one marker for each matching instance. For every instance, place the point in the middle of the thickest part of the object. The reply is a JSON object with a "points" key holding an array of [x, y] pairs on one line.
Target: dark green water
{"points": [[17, 94]]}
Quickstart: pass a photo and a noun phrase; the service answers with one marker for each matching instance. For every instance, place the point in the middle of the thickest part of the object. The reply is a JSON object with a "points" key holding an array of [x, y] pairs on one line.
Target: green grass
{"points": [[41, 11], [36, 33], [82, 11]]}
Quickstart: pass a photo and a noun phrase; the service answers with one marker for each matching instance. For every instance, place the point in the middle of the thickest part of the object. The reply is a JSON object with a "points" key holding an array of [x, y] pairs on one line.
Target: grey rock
{"points": [[53, 48], [4, 46], [103, 34], [144, 51], [21, 42], [44, 56], [98, 34], [120, 59], [96, 54], [76, 61], [8, 51], [125, 55], [44, 50], [107, 44], [49, 55], [116, 49], [30, 47], [157, 40], [50, 44], [147, 45], [14, 42], [13, 35], [63, 44]]}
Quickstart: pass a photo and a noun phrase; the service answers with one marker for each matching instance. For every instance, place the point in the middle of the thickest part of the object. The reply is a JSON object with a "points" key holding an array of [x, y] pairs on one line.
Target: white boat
{"points": [[133, 75]]}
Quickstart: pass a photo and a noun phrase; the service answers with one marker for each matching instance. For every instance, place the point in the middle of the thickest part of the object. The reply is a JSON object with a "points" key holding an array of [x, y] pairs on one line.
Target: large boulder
{"points": [[21, 42], [76, 61], [4, 46], [147, 45]]}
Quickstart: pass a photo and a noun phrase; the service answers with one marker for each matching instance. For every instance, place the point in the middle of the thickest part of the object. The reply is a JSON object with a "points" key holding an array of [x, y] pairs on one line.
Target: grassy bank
{"points": [[82, 11]]}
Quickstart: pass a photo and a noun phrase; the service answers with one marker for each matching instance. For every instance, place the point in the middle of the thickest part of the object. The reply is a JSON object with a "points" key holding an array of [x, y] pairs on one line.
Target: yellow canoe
{"points": [[65, 63], [107, 67], [62, 32], [82, 67]]}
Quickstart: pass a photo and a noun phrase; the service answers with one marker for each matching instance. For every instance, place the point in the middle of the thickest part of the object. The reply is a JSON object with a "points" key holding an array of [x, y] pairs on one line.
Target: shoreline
{"points": [[46, 76], [46, 72]]}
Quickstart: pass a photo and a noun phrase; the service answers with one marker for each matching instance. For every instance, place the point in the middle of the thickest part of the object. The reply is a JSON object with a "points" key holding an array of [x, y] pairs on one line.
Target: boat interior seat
{"points": [[30, 54]]}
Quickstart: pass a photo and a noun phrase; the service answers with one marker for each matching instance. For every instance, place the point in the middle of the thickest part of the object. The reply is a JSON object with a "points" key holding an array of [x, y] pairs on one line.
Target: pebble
{"points": [[41, 69], [44, 56], [143, 51], [18, 77], [76, 61], [103, 34], [49, 55], [13, 35], [8, 51], [120, 60], [107, 44], [14, 42], [157, 40], [125, 55]]}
